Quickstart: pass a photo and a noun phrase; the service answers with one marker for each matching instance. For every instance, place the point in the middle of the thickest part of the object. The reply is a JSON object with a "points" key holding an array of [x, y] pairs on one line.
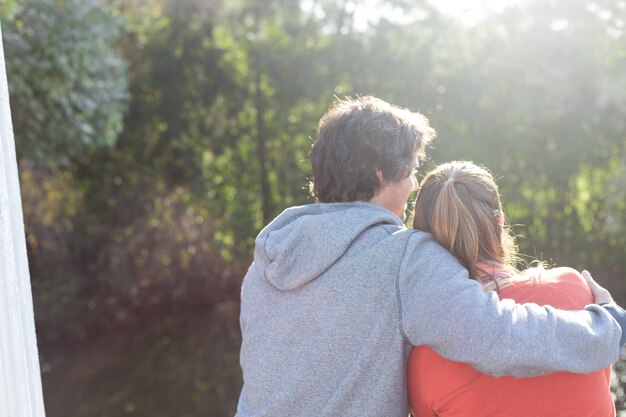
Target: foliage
{"points": [[543, 112], [7, 9], [67, 84], [53, 207]]}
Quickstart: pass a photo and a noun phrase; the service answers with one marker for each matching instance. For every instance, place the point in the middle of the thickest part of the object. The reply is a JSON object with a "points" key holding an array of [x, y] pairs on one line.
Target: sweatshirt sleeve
{"points": [[441, 307], [619, 315]]}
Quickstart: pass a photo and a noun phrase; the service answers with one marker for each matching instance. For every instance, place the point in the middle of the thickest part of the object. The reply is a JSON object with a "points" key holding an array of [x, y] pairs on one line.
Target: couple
{"points": [[340, 292]]}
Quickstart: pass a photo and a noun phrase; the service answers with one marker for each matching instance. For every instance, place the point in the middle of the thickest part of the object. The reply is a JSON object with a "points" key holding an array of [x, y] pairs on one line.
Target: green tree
{"points": [[68, 92], [536, 97], [67, 84]]}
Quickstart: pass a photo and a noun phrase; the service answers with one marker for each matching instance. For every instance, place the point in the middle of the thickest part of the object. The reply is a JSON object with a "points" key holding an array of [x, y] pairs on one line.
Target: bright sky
{"points": [[469, 8], [468, 11]]}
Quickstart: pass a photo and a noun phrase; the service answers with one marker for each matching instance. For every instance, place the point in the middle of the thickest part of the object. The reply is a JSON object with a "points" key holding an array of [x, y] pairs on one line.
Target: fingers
{"points": [[600, 294]]}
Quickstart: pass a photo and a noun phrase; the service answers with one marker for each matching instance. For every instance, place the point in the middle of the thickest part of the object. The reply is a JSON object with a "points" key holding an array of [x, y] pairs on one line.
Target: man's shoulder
{"points": [[423, 254], [423, 241]]}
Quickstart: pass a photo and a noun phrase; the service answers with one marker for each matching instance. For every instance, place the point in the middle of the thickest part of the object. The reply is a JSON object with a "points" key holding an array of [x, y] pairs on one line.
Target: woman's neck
{"points": [[489, 272]]}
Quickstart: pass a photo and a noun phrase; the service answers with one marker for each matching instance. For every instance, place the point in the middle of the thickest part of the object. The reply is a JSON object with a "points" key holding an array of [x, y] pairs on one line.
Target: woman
{"points": [[460, 206]]}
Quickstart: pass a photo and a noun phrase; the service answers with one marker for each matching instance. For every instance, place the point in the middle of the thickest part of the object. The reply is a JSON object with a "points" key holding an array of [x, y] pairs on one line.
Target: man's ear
{"points": [[381, 178]]}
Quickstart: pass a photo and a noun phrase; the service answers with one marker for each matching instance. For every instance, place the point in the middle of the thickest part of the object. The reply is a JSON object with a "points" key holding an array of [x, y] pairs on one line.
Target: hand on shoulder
{"points": [[600, 294]]}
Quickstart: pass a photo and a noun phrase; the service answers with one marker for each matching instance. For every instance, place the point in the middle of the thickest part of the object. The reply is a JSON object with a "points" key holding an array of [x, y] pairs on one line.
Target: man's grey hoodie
{"points": [[339, 293]]}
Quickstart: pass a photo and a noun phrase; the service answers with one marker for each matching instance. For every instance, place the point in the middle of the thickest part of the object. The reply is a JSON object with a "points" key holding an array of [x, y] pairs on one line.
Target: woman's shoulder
{"points": [[562, 274], [560, 287]]}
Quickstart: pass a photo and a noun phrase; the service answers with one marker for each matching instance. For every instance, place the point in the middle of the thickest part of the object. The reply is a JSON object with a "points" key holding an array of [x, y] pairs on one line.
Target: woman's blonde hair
{"points": [[459, 204]]}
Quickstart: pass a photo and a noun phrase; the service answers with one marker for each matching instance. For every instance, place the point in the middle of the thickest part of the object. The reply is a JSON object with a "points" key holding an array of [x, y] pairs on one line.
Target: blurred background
{"points": [[155, 138]]}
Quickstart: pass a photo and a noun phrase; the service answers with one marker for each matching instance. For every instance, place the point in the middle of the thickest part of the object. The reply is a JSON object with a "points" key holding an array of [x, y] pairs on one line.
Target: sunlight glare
{"points": [[465, 8], [368, 12]]}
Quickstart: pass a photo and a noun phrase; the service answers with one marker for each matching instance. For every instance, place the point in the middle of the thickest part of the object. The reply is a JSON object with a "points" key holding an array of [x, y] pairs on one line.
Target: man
{"points": [[339, 291]]}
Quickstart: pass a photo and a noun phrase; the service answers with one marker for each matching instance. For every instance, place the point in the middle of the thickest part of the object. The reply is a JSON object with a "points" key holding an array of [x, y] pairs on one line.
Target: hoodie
{"points": [[339, 293]]}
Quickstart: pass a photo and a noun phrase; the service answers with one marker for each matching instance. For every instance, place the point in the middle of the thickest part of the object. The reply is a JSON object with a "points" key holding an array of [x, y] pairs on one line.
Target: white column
{"points": [[20, 378]]}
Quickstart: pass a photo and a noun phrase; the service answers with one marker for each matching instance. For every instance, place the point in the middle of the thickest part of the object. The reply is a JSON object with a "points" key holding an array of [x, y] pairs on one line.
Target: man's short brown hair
{"points": [[357, 137]]}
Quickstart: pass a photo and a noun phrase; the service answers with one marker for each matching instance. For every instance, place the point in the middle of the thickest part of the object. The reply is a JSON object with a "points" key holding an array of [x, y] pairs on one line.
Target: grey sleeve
{"points": [[441, 307]]}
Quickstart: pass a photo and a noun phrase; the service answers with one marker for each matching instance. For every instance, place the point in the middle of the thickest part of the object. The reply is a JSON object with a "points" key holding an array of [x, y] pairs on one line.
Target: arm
{"points": [[618, 315], [441, 307], [604, 298]]}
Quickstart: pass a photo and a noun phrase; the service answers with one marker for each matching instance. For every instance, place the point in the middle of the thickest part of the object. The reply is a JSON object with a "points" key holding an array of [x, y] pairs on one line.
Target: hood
{"points": [[303, 242]]}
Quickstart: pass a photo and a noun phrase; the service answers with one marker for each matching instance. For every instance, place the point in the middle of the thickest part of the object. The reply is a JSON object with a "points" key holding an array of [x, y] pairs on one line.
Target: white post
{"points": [[20, 379]]}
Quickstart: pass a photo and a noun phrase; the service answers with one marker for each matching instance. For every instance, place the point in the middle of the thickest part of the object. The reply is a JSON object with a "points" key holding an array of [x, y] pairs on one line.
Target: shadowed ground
{"points": [[174, 367]]}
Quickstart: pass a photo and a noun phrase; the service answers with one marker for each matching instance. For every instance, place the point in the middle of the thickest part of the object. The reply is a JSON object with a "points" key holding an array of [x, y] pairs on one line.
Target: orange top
{"points": [[440, 387]]}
